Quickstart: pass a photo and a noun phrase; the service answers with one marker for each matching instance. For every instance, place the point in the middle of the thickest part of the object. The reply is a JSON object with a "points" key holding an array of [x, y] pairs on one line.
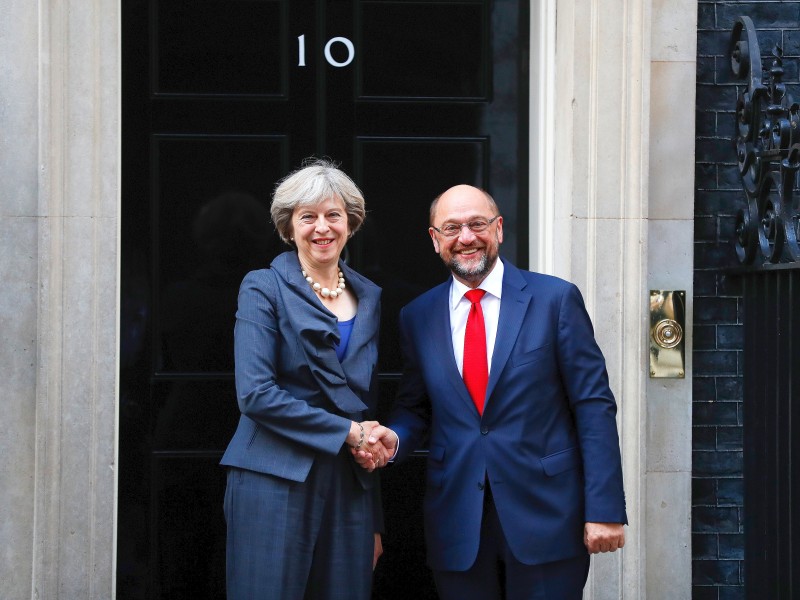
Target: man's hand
{"points": [[382, 444], [603, 537], [378, 448]]}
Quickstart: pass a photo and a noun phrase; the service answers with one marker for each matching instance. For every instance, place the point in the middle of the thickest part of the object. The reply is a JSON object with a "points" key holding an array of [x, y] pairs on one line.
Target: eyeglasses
{"points": [[451, 230]]}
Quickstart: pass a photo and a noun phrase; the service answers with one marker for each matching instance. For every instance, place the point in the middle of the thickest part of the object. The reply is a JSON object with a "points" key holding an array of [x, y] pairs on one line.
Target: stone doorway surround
{"points": [[612, 209], [612, 118]]}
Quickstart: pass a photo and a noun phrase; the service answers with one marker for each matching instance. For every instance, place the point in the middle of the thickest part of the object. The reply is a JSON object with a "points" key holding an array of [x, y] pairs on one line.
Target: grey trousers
{"points": [[291, 540]]}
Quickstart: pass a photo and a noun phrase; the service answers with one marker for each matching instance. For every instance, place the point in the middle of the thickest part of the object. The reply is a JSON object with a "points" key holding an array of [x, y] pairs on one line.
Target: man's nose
{"points": [[466, 235]]}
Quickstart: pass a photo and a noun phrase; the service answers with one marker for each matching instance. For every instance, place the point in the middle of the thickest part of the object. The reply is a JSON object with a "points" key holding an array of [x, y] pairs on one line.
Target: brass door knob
{"points": [[667, 333]]}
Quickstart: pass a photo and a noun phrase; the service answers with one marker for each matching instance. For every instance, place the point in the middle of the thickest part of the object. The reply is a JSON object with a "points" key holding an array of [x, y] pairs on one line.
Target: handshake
{"points": [[371, 444]]}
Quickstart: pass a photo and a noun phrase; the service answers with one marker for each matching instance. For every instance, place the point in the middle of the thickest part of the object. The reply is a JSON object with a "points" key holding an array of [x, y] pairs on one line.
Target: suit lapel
{"points": [[441, 337], [291, 271], [317, 330], [513, 307]]}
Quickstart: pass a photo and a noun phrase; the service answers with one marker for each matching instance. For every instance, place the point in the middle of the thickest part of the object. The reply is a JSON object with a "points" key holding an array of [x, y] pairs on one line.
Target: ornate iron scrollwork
{"points": [[767, 144]]}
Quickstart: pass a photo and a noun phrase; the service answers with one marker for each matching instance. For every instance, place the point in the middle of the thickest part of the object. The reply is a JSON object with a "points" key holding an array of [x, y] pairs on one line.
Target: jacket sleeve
{"points": [[411, 413], [258, 386], [592, 403]]}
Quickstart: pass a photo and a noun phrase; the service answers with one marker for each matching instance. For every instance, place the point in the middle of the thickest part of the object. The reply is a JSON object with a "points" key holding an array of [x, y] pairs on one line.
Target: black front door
{"points": [[221, 98]]}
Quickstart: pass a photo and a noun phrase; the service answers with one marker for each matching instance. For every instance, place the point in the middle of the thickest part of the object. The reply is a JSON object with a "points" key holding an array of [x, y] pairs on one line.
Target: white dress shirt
{"points": [[490, 304]]}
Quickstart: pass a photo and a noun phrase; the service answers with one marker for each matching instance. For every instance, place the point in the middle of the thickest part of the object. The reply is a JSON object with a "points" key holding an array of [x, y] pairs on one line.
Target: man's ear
{"points": [[435, 241]]}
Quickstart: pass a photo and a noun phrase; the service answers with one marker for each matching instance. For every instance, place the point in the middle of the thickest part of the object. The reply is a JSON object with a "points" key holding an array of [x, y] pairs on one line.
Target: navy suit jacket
{"points": [[547, 440], [296, 398]]}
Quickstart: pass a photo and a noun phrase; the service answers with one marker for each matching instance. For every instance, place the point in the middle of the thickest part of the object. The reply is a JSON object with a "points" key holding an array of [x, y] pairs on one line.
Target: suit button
{"points": [[484, 429], [481, 485]]}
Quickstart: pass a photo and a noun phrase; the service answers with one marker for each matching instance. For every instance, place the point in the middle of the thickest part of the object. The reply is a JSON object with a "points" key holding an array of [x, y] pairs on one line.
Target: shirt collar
{"points": [[492, 284]]}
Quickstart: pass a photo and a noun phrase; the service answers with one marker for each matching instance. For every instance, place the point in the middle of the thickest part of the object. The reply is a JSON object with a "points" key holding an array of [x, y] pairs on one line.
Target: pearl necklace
{"points": [[323, 291]]}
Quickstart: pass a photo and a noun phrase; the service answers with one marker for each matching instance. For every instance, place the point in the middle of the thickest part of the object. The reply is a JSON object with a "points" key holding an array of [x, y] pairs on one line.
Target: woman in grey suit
{"points": [[302, 517]]}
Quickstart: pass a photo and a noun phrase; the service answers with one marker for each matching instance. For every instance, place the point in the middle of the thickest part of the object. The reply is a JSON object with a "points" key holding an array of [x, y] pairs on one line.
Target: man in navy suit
{"points": [[524, 477]]}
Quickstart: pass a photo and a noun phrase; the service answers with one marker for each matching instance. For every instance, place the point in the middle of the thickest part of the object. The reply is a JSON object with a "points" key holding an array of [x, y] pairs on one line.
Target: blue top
{"points": [[345, 329]]}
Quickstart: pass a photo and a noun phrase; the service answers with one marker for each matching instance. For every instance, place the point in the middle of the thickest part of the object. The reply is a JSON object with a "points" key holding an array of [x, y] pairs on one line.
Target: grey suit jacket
{"points": [[296, 398]]}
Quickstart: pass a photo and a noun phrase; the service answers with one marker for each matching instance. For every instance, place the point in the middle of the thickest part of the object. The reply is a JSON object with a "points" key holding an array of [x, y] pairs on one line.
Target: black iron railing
{"points": [[767, 143], [772, 434]]}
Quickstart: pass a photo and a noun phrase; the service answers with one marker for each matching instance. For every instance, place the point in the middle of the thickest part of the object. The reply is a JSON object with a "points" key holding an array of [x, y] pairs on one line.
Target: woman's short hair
{"points": [[317, 180]]}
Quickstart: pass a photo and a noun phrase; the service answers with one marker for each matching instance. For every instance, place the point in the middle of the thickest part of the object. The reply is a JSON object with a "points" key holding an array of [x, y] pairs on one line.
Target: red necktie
{"points": [[475, 369]]}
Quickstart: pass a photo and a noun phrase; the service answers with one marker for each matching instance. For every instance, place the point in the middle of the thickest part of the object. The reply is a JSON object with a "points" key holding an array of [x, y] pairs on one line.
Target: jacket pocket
{"points": [[561, 461], [435, 467], [436, 453], [524, 358]]}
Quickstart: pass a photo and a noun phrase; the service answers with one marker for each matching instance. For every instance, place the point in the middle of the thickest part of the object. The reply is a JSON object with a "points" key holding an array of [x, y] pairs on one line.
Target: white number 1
{"points": [[301, 48]]}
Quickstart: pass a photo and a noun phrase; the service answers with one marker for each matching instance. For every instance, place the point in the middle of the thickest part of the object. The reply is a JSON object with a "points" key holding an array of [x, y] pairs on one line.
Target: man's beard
{"points": [[475, 274]]}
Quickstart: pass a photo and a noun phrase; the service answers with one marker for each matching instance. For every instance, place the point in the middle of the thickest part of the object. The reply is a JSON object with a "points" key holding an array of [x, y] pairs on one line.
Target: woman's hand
{"points": [[378, 550], [357, 436]]}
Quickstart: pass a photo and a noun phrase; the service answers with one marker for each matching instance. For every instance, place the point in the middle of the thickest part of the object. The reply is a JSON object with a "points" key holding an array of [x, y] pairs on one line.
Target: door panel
{"points": [[424, 50], [221, 98], [214, 47], [210, 226]]}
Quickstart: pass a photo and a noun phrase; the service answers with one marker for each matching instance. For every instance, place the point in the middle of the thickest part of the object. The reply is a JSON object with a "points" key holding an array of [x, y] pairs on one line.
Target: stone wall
{"points": [[59, 201]]}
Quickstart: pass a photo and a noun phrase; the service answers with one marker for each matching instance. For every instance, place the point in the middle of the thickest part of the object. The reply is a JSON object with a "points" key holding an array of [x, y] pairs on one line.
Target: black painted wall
{"points": [[718, 408]]}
